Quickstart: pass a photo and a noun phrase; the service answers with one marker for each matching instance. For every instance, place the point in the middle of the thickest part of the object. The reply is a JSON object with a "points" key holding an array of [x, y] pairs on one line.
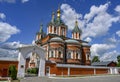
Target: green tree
{"points": [[95, 59], [118, 61], [13, 72]]}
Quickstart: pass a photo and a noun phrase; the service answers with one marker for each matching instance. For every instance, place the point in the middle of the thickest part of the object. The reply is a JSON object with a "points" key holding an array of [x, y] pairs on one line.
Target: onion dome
{"points": [[76, 28], [58, 39], [72, 41]]}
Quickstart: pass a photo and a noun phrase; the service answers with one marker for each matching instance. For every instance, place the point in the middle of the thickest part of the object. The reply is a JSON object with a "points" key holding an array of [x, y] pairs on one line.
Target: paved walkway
{"points": [[108, 78]]}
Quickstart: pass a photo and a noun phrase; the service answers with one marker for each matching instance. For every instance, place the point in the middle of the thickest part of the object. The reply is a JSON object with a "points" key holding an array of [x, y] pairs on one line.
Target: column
{"points": [[68, 71], [111, 71], [94, 71], [21, 66], [41, 68], [116, 70]]}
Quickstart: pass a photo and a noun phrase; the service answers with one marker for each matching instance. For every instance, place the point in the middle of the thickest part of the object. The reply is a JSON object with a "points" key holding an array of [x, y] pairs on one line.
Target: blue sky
{"points": [[98, 19]]}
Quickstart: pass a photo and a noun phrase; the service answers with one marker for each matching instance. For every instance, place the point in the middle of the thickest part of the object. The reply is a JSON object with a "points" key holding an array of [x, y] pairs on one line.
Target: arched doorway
{"points": [[23, 51]]}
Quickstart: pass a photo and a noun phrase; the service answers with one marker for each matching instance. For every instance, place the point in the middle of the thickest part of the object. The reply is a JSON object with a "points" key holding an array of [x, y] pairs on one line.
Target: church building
{"points": [[60, 48]]}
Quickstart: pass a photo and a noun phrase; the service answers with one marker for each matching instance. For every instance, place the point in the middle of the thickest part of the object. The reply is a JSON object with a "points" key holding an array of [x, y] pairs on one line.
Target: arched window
{"points": [[69, 55], [59, 54], [77, 56], [87, 56], [63, 32], [52, 55]]}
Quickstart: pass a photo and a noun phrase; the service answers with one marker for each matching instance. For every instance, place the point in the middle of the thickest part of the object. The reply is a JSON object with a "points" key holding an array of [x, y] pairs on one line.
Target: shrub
{"points": [[32, 70], [12, 72]]}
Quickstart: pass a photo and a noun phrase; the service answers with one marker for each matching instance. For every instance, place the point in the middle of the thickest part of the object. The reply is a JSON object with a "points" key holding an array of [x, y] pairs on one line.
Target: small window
{"points": [[69, 55], [87, 56], [22, 66], [63, 32], [59, 54], [52, 54], [77, 56]]}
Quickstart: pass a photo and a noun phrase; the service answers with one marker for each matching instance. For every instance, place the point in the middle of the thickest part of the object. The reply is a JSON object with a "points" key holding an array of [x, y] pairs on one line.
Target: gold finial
{"points": [[58, 11], [76, 22]]}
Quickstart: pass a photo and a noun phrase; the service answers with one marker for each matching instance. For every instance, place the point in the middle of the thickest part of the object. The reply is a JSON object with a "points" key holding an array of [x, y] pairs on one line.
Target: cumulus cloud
{"points": [[69, 16], [2, 16], [117, 9], [98, 21], [118, 33], [8, 1], [106, 51], [88, 39], [24, 1], [9, 49], [100, 49], [93, 24], [6, 31], [110, 56], [10, 45]]}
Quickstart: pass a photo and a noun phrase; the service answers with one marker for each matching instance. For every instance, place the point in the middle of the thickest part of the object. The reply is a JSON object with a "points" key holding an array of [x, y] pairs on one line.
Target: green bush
{"points": [[12, 72], [32, 70]]}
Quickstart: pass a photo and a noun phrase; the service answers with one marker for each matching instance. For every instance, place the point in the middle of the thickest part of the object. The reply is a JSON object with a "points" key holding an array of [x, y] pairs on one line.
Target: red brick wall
{"points": [[75, 71], [101, 71], [81, 71], [4, 66]]}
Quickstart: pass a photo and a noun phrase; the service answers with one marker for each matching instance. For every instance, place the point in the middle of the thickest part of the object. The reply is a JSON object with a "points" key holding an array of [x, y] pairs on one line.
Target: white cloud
{"points": [[110, 56], [95, 10], [98, 21], [6, 31], [8, 1], [95, 23], [118, 33], [10, 45], [2, 16], [100, 49], [88, 39], [69, 16], [117, 9], [9, 49], [24, 1]]}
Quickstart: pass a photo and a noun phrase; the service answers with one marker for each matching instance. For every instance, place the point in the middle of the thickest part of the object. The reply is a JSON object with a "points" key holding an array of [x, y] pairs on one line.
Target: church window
{"points": [[62, 31], [69, 55], [87, 55], [52, 55], [77, 56], [59, 54]]}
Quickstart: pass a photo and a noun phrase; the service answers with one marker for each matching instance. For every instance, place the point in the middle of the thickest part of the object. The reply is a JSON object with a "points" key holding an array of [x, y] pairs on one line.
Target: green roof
{"points": [[76, 28], [41, 30]]}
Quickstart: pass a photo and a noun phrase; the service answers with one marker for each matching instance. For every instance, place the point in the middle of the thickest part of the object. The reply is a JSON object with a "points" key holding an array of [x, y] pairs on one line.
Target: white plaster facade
{"points": [[23, 52]]}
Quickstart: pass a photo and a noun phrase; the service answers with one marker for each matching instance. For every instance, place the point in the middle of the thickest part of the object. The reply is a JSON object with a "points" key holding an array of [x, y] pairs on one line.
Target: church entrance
{"points": [[36, 63], [32, 64]]}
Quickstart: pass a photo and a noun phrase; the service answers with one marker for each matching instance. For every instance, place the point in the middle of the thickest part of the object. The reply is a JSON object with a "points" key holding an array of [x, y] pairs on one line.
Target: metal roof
{"points": [[56, 39], [71, 41], [8, 59], [105, 63]]}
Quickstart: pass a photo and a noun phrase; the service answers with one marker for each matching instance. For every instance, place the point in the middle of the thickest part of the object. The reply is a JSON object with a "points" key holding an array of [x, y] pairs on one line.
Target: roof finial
{"points": [[53, 16], [76, 22], [58, 11], [41, 28]]}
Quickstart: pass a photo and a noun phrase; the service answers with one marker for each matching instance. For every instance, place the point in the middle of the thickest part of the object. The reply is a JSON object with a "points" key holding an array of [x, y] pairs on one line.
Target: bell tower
{"points": [[76, 32], [40, 34]]}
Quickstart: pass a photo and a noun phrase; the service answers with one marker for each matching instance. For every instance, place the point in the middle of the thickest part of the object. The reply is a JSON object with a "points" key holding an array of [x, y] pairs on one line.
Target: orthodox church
{"points": [[63, 55], [60, 48]]}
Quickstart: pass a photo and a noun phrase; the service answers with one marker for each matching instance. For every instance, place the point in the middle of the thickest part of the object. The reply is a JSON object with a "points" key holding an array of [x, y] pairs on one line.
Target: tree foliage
{"points": [[118, 61], [13, 72], [95, 59]]}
